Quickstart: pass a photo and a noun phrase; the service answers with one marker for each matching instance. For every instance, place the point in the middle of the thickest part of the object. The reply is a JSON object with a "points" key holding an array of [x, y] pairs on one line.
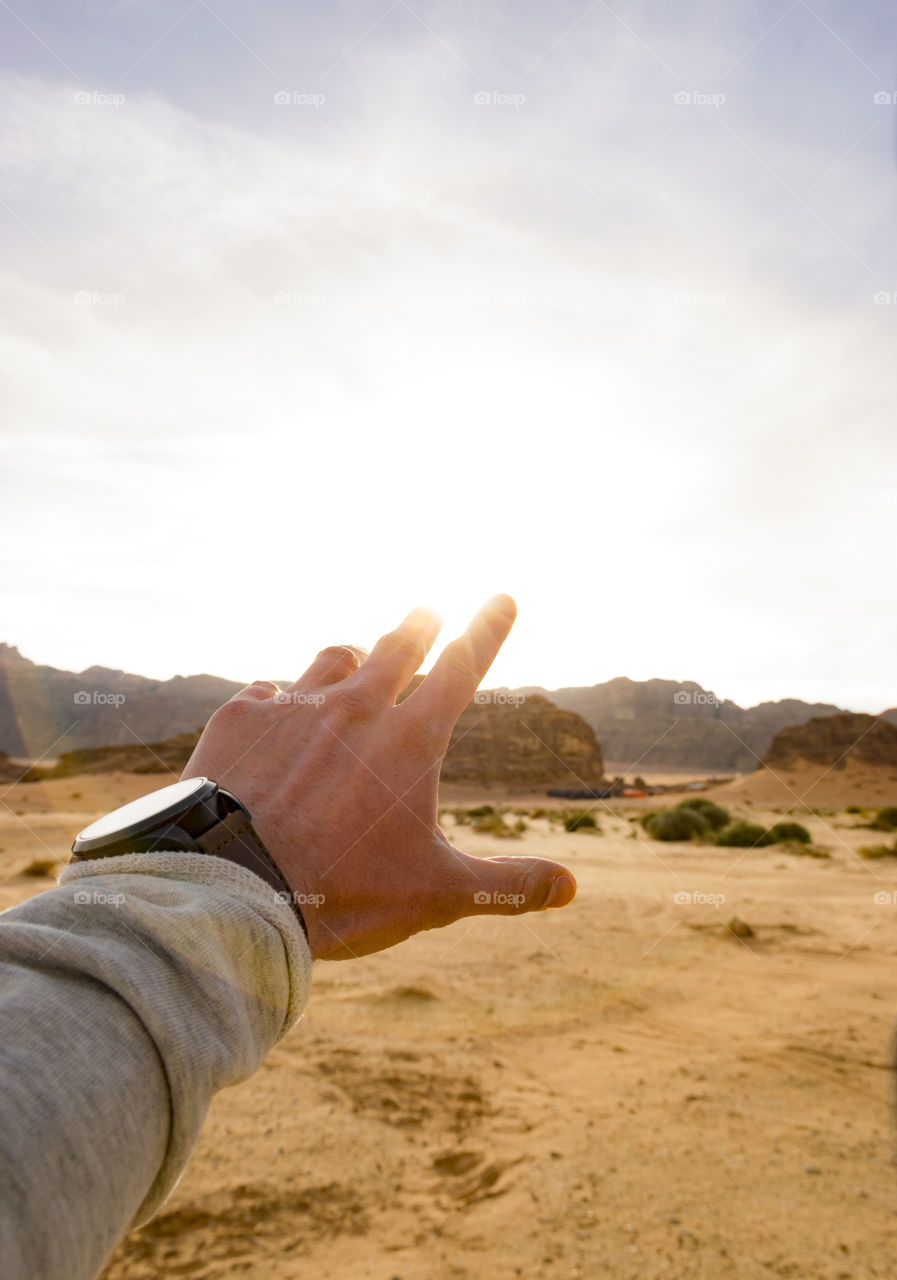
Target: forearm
{"points": [[128, 997]]}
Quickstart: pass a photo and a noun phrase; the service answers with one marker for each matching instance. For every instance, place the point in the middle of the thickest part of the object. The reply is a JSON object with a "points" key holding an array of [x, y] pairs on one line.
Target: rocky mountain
{"points": [[533, 744], [525, 744], [641, 725], [169, 756], [651, 725], [835, 741], [11, 772], [47, 711]]}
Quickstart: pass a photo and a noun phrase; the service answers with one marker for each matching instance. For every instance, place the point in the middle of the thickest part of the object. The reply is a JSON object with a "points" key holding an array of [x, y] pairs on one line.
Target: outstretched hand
{"points": [[341, 784]]}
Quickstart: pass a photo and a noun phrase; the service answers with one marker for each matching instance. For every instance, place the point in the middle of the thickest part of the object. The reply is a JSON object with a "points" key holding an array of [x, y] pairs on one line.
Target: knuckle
{"points": [[342, 654], [459, 660], [354, 701], [233, 712], [400, 645]]}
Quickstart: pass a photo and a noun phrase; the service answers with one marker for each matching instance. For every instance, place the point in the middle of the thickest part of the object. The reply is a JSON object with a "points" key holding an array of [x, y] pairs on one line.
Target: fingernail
{"points": [[562, 891], [503, 605], [425, 618]]}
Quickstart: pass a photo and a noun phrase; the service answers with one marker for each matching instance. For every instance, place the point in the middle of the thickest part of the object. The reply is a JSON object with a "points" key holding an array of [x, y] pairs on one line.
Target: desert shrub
{"points": [[743, 835], [461, 818], [520, 826], [885, 819], [481, 811], [675, 824], [580, 820], [789, 831], [714, 815], [854, 808], [40, 867], [538, 813], [879, 851], [493, 824]]}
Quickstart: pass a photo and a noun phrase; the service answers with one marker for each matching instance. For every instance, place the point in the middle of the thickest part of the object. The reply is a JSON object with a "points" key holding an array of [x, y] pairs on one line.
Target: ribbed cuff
{"points": [[226, 877]]}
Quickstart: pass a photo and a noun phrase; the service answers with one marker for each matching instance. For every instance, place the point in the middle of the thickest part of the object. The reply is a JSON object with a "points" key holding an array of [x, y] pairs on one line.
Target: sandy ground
{"points": [[623, 1089]]}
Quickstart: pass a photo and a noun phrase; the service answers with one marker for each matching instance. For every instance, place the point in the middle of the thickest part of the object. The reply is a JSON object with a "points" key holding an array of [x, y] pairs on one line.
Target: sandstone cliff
{"points": [[835, 741], [658, 724], [533, 744]]}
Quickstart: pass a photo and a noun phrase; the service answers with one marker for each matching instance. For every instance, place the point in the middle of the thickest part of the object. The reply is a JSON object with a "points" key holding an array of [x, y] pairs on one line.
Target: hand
{"points": [[342, 785]]}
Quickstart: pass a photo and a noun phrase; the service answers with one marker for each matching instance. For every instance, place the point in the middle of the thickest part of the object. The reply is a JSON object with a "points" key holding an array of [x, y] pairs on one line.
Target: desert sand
{"points": [[622, 1089]]}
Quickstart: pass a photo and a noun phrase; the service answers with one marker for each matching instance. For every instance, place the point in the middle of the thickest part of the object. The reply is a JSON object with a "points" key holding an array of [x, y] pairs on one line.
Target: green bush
{"points": [[879, 851], [675, 824], [40, 867], [743, 835], [885, 819], [788, 831], [579, 821], [493, 824], [854, 808], [714, 815], [520, 826], [481, 811]]}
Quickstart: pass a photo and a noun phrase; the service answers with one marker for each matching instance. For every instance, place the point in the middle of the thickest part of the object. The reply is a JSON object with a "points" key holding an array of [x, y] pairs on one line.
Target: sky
{"points": [[315, 313]]}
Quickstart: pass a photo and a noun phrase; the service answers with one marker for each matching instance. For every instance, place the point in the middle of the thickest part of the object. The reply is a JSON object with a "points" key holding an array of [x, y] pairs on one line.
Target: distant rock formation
{"points": [[643, 726], [834, 741], [154, 757], [10, 772], [533, 744], [653, 725], [47, 711]]}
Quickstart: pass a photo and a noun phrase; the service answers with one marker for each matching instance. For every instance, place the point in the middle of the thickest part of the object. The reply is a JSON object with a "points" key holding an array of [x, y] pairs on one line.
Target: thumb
{"points": [[511, 886]]}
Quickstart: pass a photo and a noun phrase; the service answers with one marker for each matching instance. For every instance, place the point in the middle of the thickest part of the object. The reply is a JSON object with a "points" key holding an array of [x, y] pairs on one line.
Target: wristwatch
{"points": [[194, 815]]}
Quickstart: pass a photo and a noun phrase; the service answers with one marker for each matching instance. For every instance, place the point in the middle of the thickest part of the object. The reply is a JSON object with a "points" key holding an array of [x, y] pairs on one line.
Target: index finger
{"points": [[463, 663]]}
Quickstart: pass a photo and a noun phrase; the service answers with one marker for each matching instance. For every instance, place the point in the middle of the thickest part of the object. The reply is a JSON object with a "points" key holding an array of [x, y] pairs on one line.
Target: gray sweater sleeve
{"points": [[128, 996]]}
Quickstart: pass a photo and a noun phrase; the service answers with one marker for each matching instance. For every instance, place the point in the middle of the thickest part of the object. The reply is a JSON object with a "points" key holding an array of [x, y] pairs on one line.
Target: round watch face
{"points": [[144, 814]]}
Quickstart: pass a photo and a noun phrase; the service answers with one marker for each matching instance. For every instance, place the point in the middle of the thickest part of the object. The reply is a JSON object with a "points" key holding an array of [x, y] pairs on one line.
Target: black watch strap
{"points": [[233, 838]]}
